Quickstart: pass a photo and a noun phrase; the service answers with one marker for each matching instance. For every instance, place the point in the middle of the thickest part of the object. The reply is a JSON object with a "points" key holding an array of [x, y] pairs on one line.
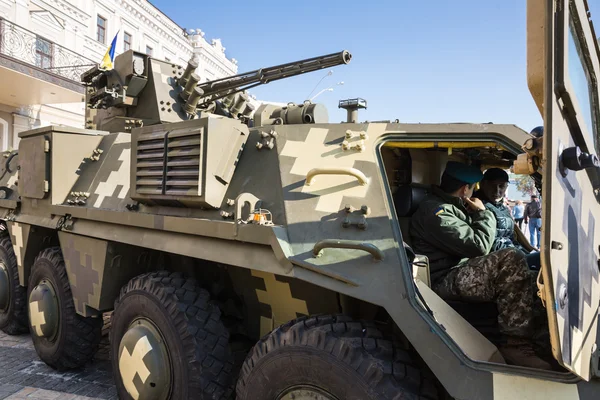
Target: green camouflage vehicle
{"points": [[260, 253]]}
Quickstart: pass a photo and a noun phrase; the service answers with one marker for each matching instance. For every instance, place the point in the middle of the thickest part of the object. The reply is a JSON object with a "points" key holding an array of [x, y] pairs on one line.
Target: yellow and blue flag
{"points": [[109, 57]]}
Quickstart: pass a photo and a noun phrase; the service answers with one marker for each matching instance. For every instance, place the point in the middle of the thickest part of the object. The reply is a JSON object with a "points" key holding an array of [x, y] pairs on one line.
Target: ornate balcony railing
{"points": [[28, 47]]}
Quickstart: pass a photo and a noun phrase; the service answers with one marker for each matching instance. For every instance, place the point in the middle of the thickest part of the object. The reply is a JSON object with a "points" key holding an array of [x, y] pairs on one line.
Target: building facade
{"points": [[45, 45]]}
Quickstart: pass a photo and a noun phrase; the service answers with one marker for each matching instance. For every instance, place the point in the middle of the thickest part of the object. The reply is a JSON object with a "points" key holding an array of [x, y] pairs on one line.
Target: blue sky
{"points": [[429, 61]]}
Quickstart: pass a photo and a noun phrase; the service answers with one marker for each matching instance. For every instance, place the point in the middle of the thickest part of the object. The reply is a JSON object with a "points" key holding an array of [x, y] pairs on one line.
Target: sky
{"points": [[415, 61]]}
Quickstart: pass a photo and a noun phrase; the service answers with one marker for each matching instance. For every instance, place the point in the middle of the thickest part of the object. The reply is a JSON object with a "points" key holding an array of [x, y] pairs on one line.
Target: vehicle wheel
{"points": [[168, 342], [330, 358], [13, 296], [62, 338]]}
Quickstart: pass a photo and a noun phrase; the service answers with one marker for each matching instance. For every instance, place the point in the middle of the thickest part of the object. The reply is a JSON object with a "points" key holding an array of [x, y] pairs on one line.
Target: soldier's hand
{"points": [[474, 204]]}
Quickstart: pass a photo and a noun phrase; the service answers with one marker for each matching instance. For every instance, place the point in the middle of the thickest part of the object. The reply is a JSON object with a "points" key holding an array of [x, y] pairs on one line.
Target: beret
{"points": [[465, 173]]}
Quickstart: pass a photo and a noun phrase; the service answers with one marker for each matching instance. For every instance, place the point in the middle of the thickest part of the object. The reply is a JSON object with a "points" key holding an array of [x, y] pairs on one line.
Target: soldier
{"points": [[493, 189], [456, 232]]}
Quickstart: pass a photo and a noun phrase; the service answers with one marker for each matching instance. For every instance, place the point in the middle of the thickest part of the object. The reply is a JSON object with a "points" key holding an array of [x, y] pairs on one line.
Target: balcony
{"points": [[34, 70]]}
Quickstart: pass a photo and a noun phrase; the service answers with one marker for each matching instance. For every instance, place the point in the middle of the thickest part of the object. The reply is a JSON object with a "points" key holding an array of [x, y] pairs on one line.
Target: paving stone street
{"points": [[24, 376]]}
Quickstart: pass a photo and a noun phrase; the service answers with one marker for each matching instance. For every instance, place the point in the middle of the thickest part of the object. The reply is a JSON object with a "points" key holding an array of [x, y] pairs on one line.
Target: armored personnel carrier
{"points": [[262, 253]]}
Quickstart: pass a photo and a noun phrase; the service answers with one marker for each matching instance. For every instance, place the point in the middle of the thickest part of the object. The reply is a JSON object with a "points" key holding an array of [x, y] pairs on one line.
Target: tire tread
{"points": [[17, 323], [83, 333], [387, 369], [197, 320]]}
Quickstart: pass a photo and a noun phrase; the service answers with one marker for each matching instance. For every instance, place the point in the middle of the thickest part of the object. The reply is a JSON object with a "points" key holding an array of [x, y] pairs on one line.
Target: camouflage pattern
{"points": [[85, 262], [281, 272], [43, 310], [501, 277], [27, 241], [277, 299], [144, 362], [335, 240]]}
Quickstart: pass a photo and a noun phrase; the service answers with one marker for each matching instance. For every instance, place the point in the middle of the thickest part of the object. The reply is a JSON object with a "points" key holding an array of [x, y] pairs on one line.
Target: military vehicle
{"points": [[263, 253]]}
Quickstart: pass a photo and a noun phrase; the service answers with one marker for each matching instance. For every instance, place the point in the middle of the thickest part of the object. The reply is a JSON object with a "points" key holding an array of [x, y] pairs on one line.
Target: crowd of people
{"points": [[530, 215]]}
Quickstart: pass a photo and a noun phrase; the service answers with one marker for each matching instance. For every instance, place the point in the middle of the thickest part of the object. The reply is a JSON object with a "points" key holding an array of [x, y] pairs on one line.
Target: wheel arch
{"points": [[28, 241]]}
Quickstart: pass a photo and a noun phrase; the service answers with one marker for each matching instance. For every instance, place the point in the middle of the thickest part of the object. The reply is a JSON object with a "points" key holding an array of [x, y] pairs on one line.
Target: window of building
{"points": [[101, 24], [43, 53], [149, 50], [126, 41]]}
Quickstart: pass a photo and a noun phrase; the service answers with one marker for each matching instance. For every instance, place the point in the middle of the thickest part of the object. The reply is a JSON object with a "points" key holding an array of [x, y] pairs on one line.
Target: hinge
{"points": [[46, 186], [46, 146]]}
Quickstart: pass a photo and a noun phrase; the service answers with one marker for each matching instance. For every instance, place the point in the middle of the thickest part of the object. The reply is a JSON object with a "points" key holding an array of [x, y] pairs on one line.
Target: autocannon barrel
{"points": [[216, 89]]}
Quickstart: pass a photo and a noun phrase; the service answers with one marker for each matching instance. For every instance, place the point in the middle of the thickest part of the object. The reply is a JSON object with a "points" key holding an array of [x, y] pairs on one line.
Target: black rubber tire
{"points": [[78, 337], [13, 320], [191, 325], [346, 359]]}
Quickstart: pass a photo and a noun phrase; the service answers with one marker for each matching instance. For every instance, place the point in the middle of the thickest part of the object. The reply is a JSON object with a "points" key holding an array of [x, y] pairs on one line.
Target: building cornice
{"points": [[215, 64], [173, 34], [66, 9], [8, 3], [107, 7], [129, 22], [217, 56], [48, 19], [155, 12]]}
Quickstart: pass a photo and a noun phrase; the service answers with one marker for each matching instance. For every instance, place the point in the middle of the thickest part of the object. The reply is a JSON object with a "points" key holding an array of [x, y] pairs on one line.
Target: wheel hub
{"points": [[43, 310], [144, 362], [306, 393], [4, 288]]}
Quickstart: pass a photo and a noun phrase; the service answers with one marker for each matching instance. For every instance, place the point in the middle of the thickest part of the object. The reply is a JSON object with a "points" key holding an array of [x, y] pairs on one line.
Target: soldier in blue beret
{"points": [[456, 232]]}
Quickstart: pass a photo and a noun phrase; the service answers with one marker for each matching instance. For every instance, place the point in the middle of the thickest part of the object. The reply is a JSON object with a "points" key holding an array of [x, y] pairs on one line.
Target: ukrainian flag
{"points": [[107, 61]]}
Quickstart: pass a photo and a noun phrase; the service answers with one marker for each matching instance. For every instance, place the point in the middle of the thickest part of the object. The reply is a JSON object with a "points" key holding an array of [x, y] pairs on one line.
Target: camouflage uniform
{"points": [[501, 277], [458, 243]]}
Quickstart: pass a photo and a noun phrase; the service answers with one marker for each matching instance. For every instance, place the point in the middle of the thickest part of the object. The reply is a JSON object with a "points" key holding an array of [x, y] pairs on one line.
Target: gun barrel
{"points": [[214, 90]]}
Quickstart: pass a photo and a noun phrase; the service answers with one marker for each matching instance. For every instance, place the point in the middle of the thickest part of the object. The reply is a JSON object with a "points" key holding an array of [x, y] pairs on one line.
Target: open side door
{"points": [[570, 202]]}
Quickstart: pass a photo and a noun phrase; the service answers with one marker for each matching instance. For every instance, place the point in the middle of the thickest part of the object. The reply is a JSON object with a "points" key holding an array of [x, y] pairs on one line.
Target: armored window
{"points": [[584, 86], [149, 50], [43, 53], [126, 41], [101, 24]]}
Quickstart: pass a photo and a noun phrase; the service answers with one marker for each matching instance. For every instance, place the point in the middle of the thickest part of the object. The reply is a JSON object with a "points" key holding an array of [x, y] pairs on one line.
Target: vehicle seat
{"points": [[406, 200]]}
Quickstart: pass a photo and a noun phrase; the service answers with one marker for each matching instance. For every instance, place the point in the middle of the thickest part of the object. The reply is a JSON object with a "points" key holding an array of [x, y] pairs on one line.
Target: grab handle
{"points": [[347, 244], [362, 179]]}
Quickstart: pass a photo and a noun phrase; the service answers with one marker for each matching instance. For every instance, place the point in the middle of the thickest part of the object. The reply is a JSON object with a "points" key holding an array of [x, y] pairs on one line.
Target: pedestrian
{"points": [[533, 217], [518, 213]]}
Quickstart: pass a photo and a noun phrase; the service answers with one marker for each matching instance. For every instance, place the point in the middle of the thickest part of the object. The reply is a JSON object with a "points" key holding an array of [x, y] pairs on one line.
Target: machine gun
{"points": [[141, 91]]}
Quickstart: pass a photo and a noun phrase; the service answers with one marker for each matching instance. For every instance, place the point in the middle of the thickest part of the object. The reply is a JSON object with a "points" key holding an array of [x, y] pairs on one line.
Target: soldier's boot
{"points": [[520, 352]]}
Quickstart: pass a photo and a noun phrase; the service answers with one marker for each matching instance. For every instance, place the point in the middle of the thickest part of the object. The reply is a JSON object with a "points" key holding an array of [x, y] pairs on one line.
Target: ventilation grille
{"points": [[150, 163], [169, 163], [183, 163]]}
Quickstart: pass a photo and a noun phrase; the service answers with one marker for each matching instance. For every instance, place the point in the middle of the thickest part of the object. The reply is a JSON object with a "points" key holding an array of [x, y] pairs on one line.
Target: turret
{"points": [[141, 91]]}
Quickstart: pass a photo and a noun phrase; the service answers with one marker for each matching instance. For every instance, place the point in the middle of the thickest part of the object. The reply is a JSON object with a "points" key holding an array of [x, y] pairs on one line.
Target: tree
{"points": [[525, 184]]}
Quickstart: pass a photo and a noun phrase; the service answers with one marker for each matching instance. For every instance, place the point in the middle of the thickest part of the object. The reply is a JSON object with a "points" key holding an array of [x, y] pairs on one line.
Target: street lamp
{"points": [[329, 89], [324, 90], [329, 73]]}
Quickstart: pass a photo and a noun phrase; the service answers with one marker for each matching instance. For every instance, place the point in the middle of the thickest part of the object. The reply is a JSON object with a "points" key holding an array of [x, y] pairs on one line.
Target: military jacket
{"points": [[448, 234], [505, 225]]}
